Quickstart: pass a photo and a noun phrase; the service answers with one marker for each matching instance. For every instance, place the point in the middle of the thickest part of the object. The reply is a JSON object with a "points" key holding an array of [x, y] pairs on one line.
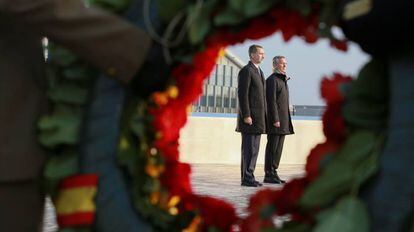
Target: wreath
{"points": [[113, 163]]}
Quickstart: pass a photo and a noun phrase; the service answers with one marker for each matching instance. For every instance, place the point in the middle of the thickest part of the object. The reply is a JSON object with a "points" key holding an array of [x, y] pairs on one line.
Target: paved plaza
{"points": [[218, 180]]}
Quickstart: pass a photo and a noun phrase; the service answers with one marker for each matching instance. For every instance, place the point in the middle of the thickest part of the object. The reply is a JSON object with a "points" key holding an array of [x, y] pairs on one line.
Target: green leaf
{"points": [[110, 5], [267, 211], [366, 168], [168, 9], [77, 72], [61, 56], [237, 5], [293, 227], [60, 166], [346, 170], [59, 129], [199, 28], [57, 167], [359, 145], [349, 215], [303, 6], [71, 94], [228, 17], [369, 165], [253, 8], [335, 180], [367, 106]]}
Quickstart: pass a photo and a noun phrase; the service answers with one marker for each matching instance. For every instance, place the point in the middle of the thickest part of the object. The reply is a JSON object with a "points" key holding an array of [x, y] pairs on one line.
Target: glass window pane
{"points": [[233, 96], [218, 93], [212, 79], [220, 75], [210, 95], [226, 97]]}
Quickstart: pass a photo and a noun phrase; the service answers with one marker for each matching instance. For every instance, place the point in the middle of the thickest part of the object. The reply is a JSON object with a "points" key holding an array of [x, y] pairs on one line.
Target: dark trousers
{"points": [[273, 153], [249, 152]]}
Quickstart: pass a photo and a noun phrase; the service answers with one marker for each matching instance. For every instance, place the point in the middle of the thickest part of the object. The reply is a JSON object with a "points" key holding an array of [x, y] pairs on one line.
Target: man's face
{"points": [[281, 65], [258, 57]]}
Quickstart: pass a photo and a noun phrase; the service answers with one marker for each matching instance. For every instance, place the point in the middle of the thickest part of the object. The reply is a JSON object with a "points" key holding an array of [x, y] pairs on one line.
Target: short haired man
{"points": [[278, 118], [251, 120]]}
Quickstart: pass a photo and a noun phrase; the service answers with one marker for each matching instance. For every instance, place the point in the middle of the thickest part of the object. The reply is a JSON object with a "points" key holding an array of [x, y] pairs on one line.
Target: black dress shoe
{"points": [[251, 184], [278, 178], [270, 180], [258, 183]]}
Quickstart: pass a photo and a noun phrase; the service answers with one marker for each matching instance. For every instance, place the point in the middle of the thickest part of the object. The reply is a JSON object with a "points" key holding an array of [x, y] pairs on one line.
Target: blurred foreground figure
{"points": [[106, 41], [380, 28]]}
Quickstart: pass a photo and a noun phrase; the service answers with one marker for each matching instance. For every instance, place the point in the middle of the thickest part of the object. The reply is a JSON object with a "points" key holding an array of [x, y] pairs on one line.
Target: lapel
{"points": [[258, 71]]}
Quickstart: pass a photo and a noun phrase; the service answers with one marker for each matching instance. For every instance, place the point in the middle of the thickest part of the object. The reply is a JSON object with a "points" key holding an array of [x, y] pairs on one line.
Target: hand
{"points": [[276, 124], [153, 75], [248, 120]]}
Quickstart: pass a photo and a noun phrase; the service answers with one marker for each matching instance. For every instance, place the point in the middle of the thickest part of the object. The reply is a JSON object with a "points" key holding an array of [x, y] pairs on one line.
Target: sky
{"points": [[307, 63]]}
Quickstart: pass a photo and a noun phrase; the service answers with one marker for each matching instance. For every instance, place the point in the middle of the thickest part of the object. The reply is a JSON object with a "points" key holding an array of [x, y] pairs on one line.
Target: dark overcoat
{"points": [[252, 100], [277, 95]]}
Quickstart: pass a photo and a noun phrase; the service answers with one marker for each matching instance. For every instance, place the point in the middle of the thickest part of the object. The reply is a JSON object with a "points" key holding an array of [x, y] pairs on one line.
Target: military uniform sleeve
{"points": [[106, 41]]}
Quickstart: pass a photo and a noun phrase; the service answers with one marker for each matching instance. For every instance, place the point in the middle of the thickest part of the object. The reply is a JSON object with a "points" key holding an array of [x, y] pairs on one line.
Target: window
{"points": [[210, 95], [233, 97], [220, 75], [227, 75], [234, 76], [219, 98], [212, 79], [226, 97], [203, 100]]}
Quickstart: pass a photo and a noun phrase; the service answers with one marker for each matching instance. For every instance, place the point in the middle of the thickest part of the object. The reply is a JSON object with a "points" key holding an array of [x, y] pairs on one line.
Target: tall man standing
{"points": [[278, 118], [251, 120]]}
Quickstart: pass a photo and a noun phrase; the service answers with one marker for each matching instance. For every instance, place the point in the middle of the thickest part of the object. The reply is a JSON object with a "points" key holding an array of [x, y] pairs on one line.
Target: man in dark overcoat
{"points": [[106, 41], [278, 118], [251, 119]]}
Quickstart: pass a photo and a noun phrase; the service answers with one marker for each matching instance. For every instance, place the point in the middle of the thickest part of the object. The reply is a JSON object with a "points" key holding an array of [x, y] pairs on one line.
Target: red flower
{"points": [[310, 32], [176, 178], [311, 35], [254, 224], [169, 150], [331, 87], [262, 199], [169, 119], [290, 195], [341, 45], [216, 213], [190, 78], [316, 155], [333, 123], [259, 28], [223, 37]]}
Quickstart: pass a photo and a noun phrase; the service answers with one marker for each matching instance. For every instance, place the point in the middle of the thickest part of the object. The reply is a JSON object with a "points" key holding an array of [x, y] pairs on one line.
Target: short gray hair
{"points": [[276, 60]]}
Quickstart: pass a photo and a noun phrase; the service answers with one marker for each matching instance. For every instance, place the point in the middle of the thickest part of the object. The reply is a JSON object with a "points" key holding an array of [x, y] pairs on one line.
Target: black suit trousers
{"points": [[274, 147], [249, 152]]}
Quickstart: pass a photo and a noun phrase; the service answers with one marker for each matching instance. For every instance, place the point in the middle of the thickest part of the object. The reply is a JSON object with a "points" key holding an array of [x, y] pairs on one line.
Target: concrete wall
{"points": [[214, 140]]}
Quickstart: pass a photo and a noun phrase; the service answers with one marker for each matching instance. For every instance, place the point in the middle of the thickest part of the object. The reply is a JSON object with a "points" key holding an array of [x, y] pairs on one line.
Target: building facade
{"points": [[220, 90]]}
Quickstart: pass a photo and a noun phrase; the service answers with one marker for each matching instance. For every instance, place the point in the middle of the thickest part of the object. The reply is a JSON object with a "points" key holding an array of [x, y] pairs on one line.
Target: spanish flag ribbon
{"points": [[75, 204]]}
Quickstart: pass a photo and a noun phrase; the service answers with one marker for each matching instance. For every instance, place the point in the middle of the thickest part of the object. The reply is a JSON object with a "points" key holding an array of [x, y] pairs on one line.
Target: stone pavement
{"points": [[217, 180], [223, 181]]}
